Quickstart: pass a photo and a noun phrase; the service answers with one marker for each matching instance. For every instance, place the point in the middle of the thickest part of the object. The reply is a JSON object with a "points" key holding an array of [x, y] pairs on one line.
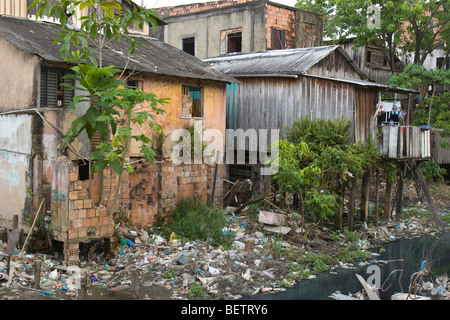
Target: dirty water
{"points": [[403, 254]]}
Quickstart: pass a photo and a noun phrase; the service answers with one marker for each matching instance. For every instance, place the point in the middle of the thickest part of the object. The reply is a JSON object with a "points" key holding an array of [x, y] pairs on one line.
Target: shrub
{"points": [[192, 219]]}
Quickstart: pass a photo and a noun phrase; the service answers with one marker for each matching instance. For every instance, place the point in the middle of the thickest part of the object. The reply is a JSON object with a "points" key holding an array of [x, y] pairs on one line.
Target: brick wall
{"points": [[280, 18], [198, 7], [189, 180], [151, 189]]}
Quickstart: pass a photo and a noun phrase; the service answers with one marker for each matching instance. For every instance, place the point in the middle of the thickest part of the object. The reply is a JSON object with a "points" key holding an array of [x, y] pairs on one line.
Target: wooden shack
{"points": [[279, 87]]}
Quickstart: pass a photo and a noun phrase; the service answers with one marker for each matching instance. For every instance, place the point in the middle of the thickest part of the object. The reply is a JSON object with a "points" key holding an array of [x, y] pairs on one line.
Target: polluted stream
{"points": [[395, 264], [238, 274]]}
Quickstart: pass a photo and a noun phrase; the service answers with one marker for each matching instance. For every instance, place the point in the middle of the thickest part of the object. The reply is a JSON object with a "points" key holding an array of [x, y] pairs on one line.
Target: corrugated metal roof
{"points": [[277, 62], [156, 57], [291, 63], [365, 83]]}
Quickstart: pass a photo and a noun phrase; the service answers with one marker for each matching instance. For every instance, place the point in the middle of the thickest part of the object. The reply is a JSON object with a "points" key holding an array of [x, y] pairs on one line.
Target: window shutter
{"points": [[68, 93], [95, 141], [50, 84], [52, 87], [44, 87]]}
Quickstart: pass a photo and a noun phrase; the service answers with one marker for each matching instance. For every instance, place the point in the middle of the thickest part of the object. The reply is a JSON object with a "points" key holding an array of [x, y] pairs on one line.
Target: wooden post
{"points": [[427, 194], [399, 195], [37, 274], [338, 218], [351, 204], [365, 197], [388, 200], [82, 293], [15, 222], [377, 194], [135, 283]]}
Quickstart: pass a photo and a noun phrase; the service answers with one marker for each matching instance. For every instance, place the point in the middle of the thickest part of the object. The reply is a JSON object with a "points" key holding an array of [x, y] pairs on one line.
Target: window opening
{"points": [[278, 39], [189, 45], [135, 84], [441, 64], [196, 94], [368, 56], [53, 92], [234, 42], [83, 170]]}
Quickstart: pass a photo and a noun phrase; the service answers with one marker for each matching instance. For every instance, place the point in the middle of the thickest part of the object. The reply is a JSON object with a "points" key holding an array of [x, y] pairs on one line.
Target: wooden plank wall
{"points": [[17, 8], [403, 142], [440, 155], [365, 108], [275, 102], [334, 65]]}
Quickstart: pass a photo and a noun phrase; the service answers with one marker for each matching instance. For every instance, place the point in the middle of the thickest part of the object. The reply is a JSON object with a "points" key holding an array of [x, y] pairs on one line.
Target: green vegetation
{"points": [[433, 108], [111, 105], [193, 220], [432, 171], [312, 263], [195, 290], [446, 217], [415, 212], [350, 236], [170, 274], [352, 254], [317, 164]]}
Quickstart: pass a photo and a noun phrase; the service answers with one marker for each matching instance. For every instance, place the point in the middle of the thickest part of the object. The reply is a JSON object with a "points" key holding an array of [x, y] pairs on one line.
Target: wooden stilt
{"points": [[351, 205], [37, 274], [377, 194], [365, 197], [388, 200], [338, 218], [82, 294], [399, 195], [427, 194]]}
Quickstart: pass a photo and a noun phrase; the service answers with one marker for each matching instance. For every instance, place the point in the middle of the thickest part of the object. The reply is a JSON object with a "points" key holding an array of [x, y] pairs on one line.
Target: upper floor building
{"points": [[219, 28], [19, 8]]}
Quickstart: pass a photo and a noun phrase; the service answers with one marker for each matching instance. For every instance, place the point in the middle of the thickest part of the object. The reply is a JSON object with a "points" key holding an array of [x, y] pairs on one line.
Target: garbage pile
{"points": [[247, 267], [394, 230]]}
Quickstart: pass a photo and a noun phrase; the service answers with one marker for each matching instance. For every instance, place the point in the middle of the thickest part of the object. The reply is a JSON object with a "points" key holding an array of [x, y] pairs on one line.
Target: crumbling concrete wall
{"points": [[19, 78], [309, 32]]}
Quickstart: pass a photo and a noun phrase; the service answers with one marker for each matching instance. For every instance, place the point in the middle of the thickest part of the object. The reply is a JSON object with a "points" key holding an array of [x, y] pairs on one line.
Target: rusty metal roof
{"points": [[156, 57]]}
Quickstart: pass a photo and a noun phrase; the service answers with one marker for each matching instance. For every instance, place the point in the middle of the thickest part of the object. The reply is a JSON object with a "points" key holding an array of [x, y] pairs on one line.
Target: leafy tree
{"points": [[317, 163], [360, 19], [427, 26], [433, 108], [111, 112], [298, 175], [415, 27]]}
